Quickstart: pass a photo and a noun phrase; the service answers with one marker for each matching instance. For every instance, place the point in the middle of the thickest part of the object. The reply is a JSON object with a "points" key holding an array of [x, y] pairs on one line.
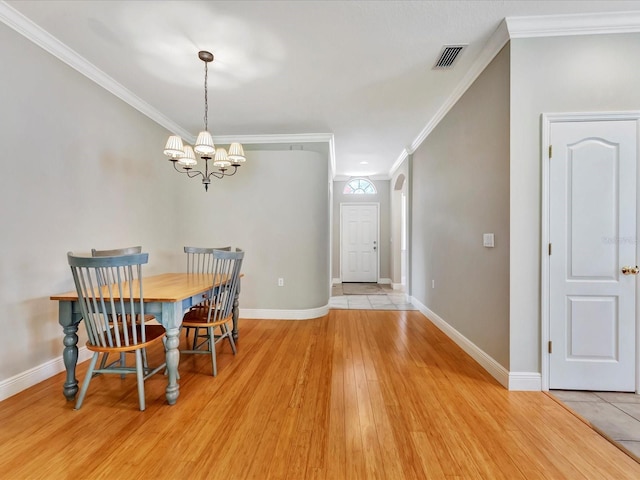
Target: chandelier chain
{"points": [[206, 99]]}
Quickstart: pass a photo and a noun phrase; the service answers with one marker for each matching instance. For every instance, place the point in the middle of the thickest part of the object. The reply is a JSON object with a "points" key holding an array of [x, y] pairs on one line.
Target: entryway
{"points": [[368, 296], [359, 242]]}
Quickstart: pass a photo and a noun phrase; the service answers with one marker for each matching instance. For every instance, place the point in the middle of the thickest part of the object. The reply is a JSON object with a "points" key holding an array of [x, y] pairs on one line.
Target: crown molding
{"points": [[528, 27], [498, 40], [577, 24], [33, 32], [276, 138], [55, 47], [401, 158], [509, 28], [285, 138], [21, 24]]}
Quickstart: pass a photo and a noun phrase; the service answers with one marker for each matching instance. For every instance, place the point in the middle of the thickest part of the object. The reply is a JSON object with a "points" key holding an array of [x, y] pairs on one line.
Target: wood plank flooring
{"points": [[357, 394]]}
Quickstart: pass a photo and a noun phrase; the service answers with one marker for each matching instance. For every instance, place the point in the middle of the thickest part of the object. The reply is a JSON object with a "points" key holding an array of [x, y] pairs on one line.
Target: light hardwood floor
{"points": [[356, 394]]}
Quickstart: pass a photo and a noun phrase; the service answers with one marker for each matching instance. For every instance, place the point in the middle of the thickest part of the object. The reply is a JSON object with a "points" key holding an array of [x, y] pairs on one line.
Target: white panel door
{"points": [[359, 242], [592, 230]]}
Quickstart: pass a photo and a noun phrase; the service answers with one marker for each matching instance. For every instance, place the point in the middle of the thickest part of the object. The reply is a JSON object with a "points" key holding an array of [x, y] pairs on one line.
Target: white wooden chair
{"points": [[217, 314], [115, 322]]}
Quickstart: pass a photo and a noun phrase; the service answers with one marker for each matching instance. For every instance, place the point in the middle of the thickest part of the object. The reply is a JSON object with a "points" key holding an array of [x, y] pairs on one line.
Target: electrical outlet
{"points": [[281, 282]]}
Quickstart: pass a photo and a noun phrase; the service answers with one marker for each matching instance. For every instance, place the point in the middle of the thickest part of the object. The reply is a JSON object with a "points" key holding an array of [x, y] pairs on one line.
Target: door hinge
{"points": [[550, 151], [549, 249], [550, 346]]}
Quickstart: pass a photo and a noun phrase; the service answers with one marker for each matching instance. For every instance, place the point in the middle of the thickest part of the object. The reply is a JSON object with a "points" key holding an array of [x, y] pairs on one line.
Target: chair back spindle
{"points": [[200, 259]]}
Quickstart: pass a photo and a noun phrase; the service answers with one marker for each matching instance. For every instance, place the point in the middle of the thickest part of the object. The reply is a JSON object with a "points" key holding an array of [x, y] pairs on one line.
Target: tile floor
{"points": [[615, 415], [385, 299]]}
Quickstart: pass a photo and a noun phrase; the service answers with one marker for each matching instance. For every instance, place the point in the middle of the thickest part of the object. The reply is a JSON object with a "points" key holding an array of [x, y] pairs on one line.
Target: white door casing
{"points": [[592, 229], [359, 242]]}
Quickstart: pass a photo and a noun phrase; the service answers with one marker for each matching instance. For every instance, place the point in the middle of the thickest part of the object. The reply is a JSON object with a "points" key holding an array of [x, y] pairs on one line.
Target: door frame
{"points": [[369, 204], [547, 120]]}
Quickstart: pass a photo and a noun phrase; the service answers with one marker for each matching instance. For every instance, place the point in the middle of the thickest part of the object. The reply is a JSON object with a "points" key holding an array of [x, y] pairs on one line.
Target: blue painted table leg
{"points": [[171, 320], [236, 313], [70, 352], [173, 358]]}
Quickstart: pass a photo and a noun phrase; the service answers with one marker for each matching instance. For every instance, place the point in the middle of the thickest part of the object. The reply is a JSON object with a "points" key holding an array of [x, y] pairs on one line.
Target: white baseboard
{"points": [[525, 381], [265, 314], [397, 286], [35, 375], [494, 369], [382, 281]]}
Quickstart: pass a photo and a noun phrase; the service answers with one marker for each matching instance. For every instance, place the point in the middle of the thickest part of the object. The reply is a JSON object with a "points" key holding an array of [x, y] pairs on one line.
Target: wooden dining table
{"points": [[167, 296]]}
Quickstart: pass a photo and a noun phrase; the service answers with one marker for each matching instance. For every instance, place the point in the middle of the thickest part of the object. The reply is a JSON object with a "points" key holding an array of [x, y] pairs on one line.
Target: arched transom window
{"points": [[358, 186]]}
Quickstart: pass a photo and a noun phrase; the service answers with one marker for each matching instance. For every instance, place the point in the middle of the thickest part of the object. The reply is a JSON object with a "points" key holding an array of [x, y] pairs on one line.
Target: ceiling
{"points": [[357, 75]]}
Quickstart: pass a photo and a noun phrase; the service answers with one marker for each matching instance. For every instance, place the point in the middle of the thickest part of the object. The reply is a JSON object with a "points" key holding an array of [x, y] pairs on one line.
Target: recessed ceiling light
{"points": [[364, 163]]}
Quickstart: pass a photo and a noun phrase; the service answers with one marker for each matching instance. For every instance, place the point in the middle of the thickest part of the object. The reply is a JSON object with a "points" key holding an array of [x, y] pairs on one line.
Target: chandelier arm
{"points": [[190, 173], [193, 173], [223, 173]]}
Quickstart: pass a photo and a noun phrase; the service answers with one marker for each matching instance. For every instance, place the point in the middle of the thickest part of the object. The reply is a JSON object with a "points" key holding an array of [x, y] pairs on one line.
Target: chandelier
{"points": [[185, 155]]}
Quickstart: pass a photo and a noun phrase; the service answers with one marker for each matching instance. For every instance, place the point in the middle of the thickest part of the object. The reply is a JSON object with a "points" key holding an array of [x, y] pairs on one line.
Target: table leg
{"points": [[171, 320], [173, 358], [236, 313], [70, 351]]}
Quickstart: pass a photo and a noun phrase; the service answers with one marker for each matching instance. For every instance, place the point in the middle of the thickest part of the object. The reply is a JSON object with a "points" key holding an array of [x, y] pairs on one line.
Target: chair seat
{"points": [[198, 316], [153, 333]]}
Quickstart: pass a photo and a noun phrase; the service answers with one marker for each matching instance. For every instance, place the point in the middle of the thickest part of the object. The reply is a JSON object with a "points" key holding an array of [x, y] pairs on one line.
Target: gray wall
{"points": [[277, 209], [548, 75], [382, 197], [82, 169], [460, 190]]}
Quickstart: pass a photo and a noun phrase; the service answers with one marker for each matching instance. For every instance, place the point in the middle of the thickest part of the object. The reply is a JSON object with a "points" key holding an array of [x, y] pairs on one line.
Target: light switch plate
{"points": [[487, 240]]}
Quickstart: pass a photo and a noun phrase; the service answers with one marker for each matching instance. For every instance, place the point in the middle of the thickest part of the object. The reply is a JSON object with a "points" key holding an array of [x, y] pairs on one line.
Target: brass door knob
{"points": [[630, 270]]}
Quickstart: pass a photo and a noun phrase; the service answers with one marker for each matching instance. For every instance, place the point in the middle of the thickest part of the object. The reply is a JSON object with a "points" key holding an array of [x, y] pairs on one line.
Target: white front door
{"points": [[359, 234], [592, 231]]}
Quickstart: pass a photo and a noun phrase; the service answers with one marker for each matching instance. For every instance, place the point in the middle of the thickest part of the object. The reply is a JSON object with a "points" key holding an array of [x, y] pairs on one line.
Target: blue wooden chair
{"points": [[148, 317], [115, 322], [200, 260], [217, 314]]}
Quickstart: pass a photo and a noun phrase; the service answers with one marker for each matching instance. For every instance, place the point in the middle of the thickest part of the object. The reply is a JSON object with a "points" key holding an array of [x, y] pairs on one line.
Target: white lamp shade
{"points": [[204, 144], [188, 159], [236, 153], [221, 160], [174, 147]]}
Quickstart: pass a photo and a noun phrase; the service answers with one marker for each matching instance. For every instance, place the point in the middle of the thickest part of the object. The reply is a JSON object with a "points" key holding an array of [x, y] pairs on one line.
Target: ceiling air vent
{"points": [[448, 56]]}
